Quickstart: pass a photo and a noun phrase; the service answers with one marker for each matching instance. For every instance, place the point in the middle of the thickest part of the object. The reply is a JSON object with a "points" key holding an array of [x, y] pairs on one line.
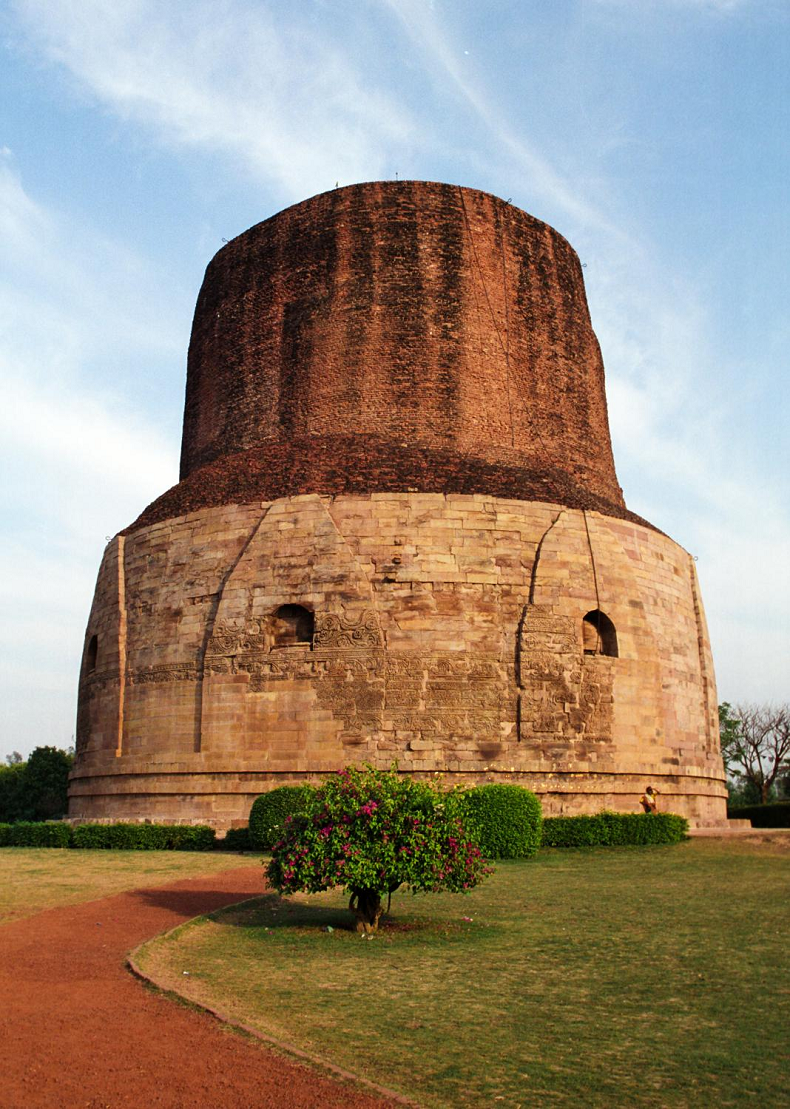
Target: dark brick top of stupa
{"points": [[395, 336]]}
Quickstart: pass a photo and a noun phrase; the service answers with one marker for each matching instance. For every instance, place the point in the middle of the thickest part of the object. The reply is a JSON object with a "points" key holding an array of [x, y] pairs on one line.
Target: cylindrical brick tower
{"points": [[398, 535]]}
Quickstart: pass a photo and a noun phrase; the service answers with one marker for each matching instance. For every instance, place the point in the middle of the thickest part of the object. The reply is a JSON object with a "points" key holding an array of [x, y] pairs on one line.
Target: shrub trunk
{"points": [[366, 906]]}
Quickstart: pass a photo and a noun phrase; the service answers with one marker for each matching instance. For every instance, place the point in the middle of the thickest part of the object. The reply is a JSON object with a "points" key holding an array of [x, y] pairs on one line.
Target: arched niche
{"points": [[599, 636], [92, 654]]}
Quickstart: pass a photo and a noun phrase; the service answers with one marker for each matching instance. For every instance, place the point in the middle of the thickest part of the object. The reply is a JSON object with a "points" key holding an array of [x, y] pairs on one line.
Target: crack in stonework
{"points": [[210, 623], [534, 574]]}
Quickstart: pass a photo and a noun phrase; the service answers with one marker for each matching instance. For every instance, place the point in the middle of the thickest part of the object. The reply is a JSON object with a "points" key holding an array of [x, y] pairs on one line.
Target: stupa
{"points": [[398, 536]]}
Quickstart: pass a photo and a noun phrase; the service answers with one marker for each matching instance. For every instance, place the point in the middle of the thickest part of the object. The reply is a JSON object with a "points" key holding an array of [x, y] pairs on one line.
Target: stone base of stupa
{"points": [[237, 648]]}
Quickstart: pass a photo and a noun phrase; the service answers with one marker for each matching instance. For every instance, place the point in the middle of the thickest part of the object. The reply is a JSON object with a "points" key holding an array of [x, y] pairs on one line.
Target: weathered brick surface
{"points": [[415, 314], [363, 463]]}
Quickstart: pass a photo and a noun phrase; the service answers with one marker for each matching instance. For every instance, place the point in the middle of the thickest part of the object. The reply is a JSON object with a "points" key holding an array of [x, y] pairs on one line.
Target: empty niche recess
{"points": [[599, 636], [292, 626]]}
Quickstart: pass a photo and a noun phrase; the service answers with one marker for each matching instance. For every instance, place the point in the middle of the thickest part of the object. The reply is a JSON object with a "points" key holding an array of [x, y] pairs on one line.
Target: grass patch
{"points": [[32, 879], [653, 976]]}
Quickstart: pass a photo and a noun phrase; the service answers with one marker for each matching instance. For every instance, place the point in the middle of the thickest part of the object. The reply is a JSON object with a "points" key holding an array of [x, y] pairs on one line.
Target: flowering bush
{"points": [[371, 832]]}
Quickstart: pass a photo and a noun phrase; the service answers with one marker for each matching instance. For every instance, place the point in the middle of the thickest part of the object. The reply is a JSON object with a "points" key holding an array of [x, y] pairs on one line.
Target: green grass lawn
{"points": [[32, 879], [631, 976]]}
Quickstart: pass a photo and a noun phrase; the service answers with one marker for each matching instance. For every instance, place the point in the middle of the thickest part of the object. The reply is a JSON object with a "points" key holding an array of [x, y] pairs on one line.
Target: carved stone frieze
{"points": [[97, 680], [229, 638], [338, 632], [403, 697], [218, 664], [345, 665], [559, 642], [558, 696], [405, 666], [168, 672]]}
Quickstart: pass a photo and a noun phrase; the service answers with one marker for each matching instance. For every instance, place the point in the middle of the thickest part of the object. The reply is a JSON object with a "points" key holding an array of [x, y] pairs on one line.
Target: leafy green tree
{"points": [[47, 782], [36, 789], [371, 831], [13, 800], [729, 733]]}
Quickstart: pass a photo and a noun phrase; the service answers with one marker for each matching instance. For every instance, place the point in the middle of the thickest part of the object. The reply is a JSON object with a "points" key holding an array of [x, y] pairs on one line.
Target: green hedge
{"points": [[610, 829], [505, 820], [235, 839], [773, 815], [39, 834], [114, 837], [269, 812], [36, 790], [144, 837]]}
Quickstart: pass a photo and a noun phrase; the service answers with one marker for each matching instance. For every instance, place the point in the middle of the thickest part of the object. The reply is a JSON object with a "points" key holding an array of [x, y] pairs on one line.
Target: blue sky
{"points": [[136, 135]]}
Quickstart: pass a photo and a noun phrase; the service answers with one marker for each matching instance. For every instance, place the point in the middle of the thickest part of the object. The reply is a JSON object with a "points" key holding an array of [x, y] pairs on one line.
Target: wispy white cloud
{"points": [[288, 105], [73, 273], [75, 460], [430, 35]]}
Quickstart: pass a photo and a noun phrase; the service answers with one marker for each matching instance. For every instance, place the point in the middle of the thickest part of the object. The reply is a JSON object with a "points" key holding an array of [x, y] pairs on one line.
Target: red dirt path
{"points": [[79, 1032]]}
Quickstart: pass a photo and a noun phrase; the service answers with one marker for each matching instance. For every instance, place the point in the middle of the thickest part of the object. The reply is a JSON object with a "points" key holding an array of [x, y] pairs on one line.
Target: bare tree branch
{"points": [[756, 740]]}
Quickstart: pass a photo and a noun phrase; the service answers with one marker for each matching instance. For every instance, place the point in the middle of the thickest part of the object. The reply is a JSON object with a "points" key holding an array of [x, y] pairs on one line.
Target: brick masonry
{"points": [[411, 313], [395, 418]]}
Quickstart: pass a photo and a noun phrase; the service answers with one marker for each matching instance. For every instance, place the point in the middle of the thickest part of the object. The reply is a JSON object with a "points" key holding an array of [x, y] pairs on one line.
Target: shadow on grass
{"points": [[189, 903], [269, 910], [273, 913]]}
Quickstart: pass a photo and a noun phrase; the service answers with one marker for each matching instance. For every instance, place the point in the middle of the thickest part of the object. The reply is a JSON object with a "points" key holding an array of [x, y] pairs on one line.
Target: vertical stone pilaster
{"points": [[710, 710], [121, 642]]}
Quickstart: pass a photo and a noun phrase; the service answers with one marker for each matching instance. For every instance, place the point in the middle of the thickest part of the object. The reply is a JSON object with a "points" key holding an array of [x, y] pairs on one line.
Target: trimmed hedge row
{"points": [[40, 834], [270, 811], [111, 837], [235, 839], [611, 829], [505, 820], [775, 814], [144, 837]]}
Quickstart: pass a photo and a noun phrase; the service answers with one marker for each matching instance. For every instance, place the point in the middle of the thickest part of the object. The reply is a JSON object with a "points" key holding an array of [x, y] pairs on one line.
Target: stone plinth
{"points": [[448, 635]]}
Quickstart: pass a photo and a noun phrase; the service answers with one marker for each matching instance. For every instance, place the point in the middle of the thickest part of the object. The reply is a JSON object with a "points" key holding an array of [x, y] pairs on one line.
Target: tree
{"points": [[371, 832], [13, 800], [755, 744], [14, 759], [36, 789]]}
